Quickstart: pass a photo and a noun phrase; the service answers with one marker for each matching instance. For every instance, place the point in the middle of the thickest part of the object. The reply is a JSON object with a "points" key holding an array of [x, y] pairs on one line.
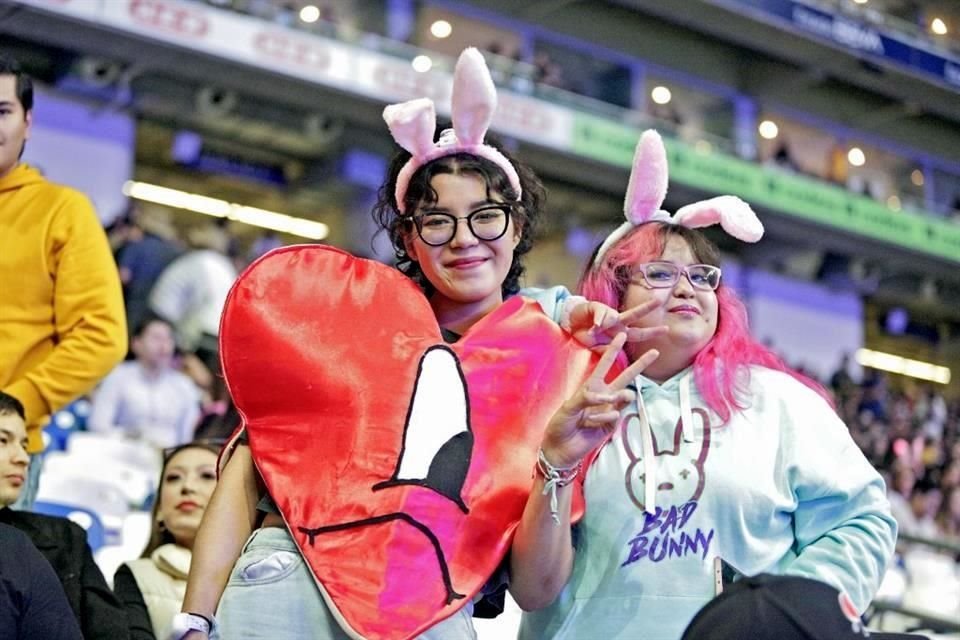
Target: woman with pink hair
{"points": [[723, 458]]}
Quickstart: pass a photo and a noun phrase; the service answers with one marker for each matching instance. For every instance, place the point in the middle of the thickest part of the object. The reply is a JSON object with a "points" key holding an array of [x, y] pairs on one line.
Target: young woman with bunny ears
{"points": [[724, 456], [325, 562]]}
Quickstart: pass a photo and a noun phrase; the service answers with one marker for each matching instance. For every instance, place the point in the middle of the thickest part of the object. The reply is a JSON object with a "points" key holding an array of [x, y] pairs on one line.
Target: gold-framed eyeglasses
{"points": [[487, 223], [665, 275]]}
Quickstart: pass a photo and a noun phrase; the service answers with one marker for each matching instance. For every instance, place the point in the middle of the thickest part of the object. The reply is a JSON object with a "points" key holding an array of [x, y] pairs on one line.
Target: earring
{"points": [[161, 525]]}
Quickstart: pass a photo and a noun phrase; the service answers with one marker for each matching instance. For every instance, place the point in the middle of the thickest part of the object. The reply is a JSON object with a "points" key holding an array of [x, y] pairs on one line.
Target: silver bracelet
{"points": [[555, 478]]}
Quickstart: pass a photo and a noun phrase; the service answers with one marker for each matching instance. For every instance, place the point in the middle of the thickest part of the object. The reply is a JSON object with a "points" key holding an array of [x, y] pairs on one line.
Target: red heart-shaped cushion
{"points": [[401, 465]]}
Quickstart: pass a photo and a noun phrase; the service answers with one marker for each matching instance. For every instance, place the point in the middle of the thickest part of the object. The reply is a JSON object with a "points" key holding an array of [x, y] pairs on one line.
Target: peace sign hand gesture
{"points": [[594, 324], [585, 420]]}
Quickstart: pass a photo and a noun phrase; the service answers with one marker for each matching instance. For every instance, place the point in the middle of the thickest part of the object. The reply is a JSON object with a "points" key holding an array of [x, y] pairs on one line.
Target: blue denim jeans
{"points": [[272, 594]]}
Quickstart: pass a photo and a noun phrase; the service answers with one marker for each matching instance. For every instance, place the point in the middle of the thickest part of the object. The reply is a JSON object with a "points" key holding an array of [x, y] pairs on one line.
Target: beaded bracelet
{"points": [[555, 477]]}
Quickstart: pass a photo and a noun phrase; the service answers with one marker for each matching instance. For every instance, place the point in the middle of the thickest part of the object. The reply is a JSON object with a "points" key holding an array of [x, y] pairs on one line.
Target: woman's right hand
{"points": [[585, 419]]}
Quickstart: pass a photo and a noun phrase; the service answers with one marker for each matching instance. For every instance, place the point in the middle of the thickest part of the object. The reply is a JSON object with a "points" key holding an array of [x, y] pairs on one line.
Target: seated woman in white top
{"points": [[151, 588]]}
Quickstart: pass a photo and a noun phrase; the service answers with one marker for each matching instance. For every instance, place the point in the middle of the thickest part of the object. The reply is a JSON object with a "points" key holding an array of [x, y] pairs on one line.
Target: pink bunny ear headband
{"points": [[647, 190], [473, 103]]}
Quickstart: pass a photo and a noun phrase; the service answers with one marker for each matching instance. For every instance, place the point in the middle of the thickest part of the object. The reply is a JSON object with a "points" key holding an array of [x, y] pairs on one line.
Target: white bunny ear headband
{"points": [[473, 103], [647, 190]]}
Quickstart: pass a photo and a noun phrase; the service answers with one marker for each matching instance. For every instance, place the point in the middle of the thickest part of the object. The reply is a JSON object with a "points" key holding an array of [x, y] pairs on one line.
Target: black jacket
{"points": [[64, 545], [32, 603]]}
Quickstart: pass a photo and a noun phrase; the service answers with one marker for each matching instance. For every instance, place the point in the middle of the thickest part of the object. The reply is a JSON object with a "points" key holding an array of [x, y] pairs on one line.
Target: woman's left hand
{"points": [[594, 324]]}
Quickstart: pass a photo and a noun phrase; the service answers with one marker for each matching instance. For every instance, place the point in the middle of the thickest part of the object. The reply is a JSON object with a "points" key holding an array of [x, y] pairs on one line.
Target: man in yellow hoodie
{"points": [[62, 325]]}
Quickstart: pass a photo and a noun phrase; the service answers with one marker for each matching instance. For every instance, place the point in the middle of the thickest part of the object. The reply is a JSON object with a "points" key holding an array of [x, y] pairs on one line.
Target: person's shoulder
{"points": [[773, 386], [67, 197], [47, 531], [185, 262], [135, 565], [13, 539], [17, 550], [56, 525], [764, 377], [119, 375], [182, 380], [125, 368], [774, 383], [60, 204]]}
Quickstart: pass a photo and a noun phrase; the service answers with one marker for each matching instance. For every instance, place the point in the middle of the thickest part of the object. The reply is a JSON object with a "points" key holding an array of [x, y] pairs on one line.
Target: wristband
{"points": [[185, 622], [555, 477]]}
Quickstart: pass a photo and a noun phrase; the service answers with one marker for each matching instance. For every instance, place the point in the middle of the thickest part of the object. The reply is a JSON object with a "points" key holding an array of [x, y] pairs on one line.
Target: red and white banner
{"points": [[309, 57]]}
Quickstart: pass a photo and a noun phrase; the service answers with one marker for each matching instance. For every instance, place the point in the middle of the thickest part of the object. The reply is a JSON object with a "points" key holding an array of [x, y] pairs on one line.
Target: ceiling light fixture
{"points": [[422, 64], [938, 26], [904, 366], [222, 209], [309, 14], [768, 130], [441, 29], [856, 157], [661, 95]]}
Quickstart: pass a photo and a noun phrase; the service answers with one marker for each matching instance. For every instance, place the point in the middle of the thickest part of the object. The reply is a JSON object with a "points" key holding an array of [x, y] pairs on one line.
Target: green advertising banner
{"points": [[798, 196]]}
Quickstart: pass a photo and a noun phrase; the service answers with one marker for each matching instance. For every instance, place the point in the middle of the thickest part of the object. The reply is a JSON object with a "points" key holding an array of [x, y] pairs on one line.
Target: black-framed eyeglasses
{"points": [[487, 223], [664, 275]]}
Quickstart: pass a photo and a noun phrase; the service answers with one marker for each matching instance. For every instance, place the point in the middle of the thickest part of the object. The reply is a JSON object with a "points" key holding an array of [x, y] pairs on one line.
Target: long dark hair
{"points": [[526, 211]]}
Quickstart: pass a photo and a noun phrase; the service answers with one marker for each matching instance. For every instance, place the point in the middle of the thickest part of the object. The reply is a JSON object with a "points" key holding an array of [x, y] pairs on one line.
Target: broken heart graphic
{"points": [[401, 465]]}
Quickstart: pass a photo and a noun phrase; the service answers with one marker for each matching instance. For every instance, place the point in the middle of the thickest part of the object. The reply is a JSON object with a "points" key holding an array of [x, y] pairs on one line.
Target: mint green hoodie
{"points": [[782, 488]]}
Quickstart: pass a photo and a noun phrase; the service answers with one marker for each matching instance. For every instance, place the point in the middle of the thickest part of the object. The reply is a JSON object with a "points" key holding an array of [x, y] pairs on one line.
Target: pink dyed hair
{"points": [[721, 369]]}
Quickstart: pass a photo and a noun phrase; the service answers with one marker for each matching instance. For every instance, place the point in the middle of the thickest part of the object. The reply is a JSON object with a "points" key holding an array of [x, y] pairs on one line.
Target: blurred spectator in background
{"points": [[925, 503], [874, 398], [151, 246], [62, 324], [841, 381], [782, 159], [949, 518], [60, 541], [899, 492], [667, 114], [933, 415], [265, 242], [32, 602], [219, 417], [502, 64], [152, 587], [147, 398], [191, 291], [548, 72]]}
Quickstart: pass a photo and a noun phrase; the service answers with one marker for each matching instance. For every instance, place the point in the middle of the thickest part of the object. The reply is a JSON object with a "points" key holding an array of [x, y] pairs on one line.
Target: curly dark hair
{"points": [[527, 212]]}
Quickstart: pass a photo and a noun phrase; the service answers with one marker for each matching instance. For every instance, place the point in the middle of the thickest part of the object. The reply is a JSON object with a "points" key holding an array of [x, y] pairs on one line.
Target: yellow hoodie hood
{"points": [[20, 176]]}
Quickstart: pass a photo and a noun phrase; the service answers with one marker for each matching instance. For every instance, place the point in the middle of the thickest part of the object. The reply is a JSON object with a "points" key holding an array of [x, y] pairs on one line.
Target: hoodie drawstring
{"points": [[649, 460], [646, 441], [686, 414]]}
